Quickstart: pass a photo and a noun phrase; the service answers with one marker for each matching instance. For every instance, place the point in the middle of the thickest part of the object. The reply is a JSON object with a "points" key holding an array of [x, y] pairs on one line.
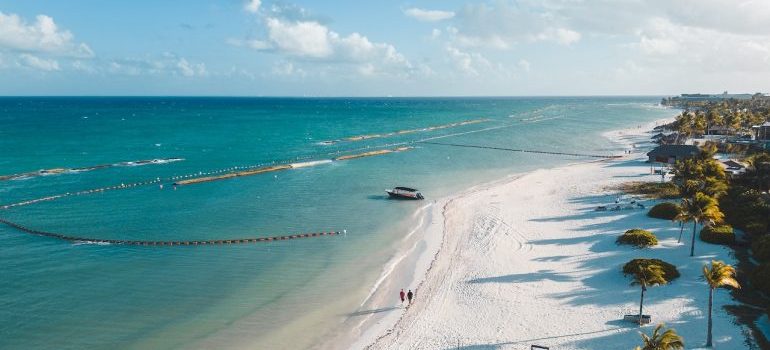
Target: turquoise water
{"points": [[280, 294]]}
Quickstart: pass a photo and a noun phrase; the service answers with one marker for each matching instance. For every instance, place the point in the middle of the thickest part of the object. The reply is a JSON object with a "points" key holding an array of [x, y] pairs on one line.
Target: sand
{"points": [[526, 260]]}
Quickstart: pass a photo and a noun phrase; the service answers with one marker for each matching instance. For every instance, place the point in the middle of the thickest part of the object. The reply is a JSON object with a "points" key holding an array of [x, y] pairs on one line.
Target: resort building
{"points": [[762, 131], [719, 130], [733, 167], [671, 153], [715, 97]]}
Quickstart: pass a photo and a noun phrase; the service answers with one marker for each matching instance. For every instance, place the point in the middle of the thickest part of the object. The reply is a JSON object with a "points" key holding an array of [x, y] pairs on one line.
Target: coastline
{"points": [[441, 244], [283, 295]]}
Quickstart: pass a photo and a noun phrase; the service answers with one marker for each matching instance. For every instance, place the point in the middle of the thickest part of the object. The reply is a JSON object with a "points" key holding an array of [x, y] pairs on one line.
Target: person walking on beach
{"points": [[409, 296], [402, 294]]}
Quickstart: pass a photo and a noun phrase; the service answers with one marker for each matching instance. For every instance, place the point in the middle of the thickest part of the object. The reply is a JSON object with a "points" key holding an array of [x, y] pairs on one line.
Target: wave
{"points": [[541, 119], [403, 132], [310, 163], [59, 171], [91, 243], [149, 161]]}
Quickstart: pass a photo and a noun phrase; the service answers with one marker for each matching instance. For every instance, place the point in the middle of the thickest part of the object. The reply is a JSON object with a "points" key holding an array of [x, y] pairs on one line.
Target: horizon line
{"points": [[329, 96]]}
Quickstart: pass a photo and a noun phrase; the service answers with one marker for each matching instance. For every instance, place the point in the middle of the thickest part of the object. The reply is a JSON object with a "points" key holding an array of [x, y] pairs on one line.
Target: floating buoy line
{"points": [[57, 171], [219, 174], [521, 150], [240, 171], [302, 162], [76, 239]]}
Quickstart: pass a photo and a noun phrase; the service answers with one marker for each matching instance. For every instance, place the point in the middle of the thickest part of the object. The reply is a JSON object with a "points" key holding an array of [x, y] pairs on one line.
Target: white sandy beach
{"points": [[527, 260]]}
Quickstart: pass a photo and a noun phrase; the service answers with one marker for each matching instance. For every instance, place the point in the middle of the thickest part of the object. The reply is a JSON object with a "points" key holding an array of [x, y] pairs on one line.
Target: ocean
{"points": [[280, 294]]}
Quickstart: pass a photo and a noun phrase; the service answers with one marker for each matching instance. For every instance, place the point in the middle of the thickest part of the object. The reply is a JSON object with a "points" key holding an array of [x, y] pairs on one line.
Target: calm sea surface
{"points": [[56, 294]]}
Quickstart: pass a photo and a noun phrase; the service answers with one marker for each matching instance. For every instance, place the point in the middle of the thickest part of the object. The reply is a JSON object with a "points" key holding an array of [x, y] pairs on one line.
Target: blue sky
{"points": [[382, 48]]}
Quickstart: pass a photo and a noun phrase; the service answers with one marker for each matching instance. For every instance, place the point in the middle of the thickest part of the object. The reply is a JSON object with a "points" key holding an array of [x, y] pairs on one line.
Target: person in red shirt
{"points": [[402, 294]]}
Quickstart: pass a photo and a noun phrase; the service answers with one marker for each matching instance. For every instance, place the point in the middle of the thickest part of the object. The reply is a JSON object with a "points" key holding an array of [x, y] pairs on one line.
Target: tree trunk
{"points": [[711, 302], [681, 230], [692, 246], [641, 306]]}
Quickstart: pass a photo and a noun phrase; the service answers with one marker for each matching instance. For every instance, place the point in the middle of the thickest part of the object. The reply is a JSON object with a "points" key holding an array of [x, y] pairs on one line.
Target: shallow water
{"points": [[280, 294]]}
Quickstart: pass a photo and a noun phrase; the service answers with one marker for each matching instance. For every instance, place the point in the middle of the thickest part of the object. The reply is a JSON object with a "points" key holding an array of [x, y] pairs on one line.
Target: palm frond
{"points": [[667, 340], [720, 275]]}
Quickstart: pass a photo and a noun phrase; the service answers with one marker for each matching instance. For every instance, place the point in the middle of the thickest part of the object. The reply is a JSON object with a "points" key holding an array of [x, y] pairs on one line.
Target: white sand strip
{"points": [[528, 261]]}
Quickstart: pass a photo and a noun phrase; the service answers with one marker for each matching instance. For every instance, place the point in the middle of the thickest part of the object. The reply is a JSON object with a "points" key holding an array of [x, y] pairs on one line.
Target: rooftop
{"points": [[674, 151]]}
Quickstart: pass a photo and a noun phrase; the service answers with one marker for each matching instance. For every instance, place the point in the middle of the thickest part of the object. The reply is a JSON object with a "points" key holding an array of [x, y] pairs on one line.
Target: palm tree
{"points": [[700, 209], [718, 275], [681, 219], [714, 187], [650, 275], [667, 340]]}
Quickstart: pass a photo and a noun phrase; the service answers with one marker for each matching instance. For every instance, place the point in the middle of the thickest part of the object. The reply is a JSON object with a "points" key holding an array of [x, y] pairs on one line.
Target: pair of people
{"points": [[408, 295]]}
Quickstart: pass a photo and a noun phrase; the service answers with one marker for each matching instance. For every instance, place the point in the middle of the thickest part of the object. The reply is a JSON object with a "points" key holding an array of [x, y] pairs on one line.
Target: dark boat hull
{"points": [[403, 196]]}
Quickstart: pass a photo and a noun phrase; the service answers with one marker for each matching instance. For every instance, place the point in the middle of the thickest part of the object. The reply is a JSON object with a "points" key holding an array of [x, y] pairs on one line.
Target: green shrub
{"points": [[665, 210], [760, 278], [638, 237], [760, 248], [656, 190], [755, 228], [721, 234], [670, 272], [745, 209]]}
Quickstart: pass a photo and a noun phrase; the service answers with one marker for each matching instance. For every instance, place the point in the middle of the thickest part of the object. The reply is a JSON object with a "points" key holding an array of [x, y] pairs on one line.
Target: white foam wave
{"points": [[310, 163], [150, 161], [91, 243], [393, 262]]}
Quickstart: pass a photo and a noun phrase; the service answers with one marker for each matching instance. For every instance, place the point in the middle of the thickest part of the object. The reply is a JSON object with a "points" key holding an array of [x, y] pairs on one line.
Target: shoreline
{"points": [[415, 266], [389, 331]]}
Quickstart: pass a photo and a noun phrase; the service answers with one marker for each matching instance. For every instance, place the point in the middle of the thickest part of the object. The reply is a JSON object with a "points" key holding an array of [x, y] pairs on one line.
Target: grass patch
{"points": [[638, 237], [721, 234], [670, 272], [665, 210], [653, 190]]}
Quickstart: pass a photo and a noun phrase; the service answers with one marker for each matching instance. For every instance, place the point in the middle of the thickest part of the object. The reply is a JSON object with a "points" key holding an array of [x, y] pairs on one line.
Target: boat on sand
{"points": [[404, 193]]}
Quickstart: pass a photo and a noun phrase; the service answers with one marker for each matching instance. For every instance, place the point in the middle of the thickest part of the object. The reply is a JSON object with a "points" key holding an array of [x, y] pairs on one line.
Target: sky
{"points": [[383, 48]]}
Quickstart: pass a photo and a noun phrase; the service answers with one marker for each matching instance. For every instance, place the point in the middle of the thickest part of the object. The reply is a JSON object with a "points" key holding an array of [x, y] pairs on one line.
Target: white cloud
{"points": [[286, 68], [166, 64], [663, 42], [733, 16], [30, 61], [309, 41], [524, 65], [428, 15], [191, 69], [302, 38], [82, 66], [560, 35], [253, 43], [504, 24], [470, 64], [435, 34], [42, 36], [252, 6]]}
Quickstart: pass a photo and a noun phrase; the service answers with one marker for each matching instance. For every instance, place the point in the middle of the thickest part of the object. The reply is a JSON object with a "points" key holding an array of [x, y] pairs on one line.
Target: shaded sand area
{"points": [[527, 260]]}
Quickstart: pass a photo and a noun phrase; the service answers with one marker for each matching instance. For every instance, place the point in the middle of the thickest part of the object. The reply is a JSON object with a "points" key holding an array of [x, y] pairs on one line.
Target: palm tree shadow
{"points": [[525, 277], [542, 340]]}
